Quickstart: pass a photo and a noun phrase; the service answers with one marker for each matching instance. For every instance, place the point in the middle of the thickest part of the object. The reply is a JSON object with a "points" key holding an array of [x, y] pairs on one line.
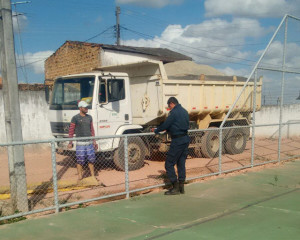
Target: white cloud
{"points": [[150, 3], [243, 72], [35, 60], [251, 8], [273, 59], [142, 43], [19, 22], [238, 28], [274, 56], [209, 41]]}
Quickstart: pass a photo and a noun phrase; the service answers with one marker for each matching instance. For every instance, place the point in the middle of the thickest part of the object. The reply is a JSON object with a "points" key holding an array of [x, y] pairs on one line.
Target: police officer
{"points": [[177, 125]]}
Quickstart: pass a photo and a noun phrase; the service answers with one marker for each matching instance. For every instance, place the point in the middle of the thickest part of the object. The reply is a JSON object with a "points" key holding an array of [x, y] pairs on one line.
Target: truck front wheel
{"points": [[136, 154]]}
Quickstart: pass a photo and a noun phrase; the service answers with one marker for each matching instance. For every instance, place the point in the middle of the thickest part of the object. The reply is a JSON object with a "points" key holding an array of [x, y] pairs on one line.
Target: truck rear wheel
{"points": [[136, 154], [236, 141], [196, 140], [210, 144]]}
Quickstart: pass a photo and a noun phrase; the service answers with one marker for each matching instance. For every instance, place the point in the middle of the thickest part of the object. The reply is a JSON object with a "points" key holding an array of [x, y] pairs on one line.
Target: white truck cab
{"points": [[109, 102]]}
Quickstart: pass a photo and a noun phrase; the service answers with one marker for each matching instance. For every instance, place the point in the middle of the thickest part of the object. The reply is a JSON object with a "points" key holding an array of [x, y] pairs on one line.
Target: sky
{"points": [[229, 35]]}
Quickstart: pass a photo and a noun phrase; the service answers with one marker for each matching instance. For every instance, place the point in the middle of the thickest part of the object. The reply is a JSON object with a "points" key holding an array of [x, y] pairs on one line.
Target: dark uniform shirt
{"points": [[177, 122]]}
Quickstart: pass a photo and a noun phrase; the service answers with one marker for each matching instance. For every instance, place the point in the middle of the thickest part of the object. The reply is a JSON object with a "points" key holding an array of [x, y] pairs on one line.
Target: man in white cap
{"points": [[82, 126]]}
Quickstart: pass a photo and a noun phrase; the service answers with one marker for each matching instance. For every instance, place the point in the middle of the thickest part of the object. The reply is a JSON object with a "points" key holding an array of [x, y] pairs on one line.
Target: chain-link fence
{"points": [[53, 181], [55, 175]]}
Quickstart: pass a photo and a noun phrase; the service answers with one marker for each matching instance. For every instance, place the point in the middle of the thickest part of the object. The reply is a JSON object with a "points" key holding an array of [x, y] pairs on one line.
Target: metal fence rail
{"points": [[52, 183]]}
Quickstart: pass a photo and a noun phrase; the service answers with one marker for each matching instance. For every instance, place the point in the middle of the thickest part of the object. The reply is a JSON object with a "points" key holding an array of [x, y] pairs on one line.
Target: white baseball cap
{"points": [[82, 104]]}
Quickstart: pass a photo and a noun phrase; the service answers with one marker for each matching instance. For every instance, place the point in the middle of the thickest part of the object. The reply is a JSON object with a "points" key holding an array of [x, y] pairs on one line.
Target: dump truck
{"points": [[132, 98]]}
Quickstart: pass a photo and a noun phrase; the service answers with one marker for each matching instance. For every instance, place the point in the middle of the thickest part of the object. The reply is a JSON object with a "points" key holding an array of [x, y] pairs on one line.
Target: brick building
{"points": [[77, 57]]}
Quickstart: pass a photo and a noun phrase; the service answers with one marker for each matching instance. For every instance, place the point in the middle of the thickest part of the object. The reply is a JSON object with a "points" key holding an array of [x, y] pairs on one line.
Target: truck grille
{"points": [[60, 127]]}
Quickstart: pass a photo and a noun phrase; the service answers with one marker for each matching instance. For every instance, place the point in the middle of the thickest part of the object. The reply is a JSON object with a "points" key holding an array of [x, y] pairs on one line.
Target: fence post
{"points": [[12, 113], [220, 149], [282, 88], [253, 119], [54, 177], [126, 166]]}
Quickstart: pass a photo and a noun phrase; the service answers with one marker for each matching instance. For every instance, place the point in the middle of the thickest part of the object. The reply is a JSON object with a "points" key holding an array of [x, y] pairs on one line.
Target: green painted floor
{"points": [[255, 205]]}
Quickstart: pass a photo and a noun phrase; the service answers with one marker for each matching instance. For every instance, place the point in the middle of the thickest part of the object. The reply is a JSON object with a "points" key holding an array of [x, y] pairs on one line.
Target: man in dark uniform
{"points": [[177, 125]]}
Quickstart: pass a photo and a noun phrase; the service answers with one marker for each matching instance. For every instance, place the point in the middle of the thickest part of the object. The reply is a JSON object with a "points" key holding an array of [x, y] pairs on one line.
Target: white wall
{"points": [[34, 116], [270, 115], [35, 122]]}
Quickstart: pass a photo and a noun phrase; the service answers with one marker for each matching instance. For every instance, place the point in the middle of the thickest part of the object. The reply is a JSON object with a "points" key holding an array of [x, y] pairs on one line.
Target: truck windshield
{"points": [[69, 91]]}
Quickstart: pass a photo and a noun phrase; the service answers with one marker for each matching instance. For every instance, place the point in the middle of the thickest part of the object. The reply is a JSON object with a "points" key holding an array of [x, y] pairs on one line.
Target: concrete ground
{"points": [[252, 205]]}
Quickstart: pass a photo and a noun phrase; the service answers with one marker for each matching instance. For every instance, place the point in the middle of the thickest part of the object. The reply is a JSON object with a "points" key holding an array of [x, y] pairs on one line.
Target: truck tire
{"points": [[236, 141], [196, 140], [210, 144], [136, 154]]}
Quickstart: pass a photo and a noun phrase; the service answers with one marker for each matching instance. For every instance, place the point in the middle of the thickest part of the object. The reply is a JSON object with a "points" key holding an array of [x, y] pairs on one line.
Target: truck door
{"points": [[113, 106]]}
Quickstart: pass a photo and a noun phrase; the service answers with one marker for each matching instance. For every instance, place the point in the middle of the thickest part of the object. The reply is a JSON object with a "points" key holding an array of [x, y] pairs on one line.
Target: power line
{"points": [[27, 64], [145, 21], [20, 40], [209, 52], [228, 45], [136, 13], [141, 15], [219, 46], [99, 34], [149, 36], [43, 59]]}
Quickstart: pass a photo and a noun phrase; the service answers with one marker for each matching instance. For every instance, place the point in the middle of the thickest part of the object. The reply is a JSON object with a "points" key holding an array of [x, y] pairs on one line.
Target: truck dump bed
{"points": [[198, 94]]}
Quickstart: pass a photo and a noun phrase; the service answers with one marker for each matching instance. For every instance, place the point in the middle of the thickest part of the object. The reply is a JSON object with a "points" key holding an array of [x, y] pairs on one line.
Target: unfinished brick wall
{"points": [[27, 87], [72, 58]]}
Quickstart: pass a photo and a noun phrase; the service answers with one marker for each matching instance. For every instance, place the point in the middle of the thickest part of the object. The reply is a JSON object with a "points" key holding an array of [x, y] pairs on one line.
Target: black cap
{"points": [[172, 100]]}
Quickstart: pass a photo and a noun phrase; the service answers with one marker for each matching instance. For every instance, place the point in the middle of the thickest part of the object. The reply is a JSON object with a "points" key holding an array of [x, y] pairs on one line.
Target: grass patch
{"points": [[11, 220]]}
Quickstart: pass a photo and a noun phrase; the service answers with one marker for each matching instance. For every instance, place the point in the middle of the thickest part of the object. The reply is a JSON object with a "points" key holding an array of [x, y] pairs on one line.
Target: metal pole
{"points": [[11, 168], [255, 67], [220, 149], [12, 110], [118, 11], [253, 120], [282, 88], [293, 17], [55, 188], [126, 166]]}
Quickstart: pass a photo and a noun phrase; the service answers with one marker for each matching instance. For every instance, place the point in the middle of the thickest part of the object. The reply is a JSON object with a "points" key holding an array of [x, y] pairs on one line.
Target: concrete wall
{"points": [[34, 114], [35, 123], [270, 115]]}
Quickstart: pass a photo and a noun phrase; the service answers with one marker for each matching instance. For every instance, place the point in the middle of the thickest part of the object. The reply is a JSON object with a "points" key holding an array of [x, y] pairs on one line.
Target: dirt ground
{"points": [[109, 180]]}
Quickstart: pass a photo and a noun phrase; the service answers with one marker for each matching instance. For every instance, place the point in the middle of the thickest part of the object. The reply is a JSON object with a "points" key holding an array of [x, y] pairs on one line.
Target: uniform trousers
{"points": [[177, 155]]}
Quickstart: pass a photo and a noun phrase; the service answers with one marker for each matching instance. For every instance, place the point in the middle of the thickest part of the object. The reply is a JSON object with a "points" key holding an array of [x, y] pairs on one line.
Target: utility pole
{"points": [[17, 173], [118, 11]]}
